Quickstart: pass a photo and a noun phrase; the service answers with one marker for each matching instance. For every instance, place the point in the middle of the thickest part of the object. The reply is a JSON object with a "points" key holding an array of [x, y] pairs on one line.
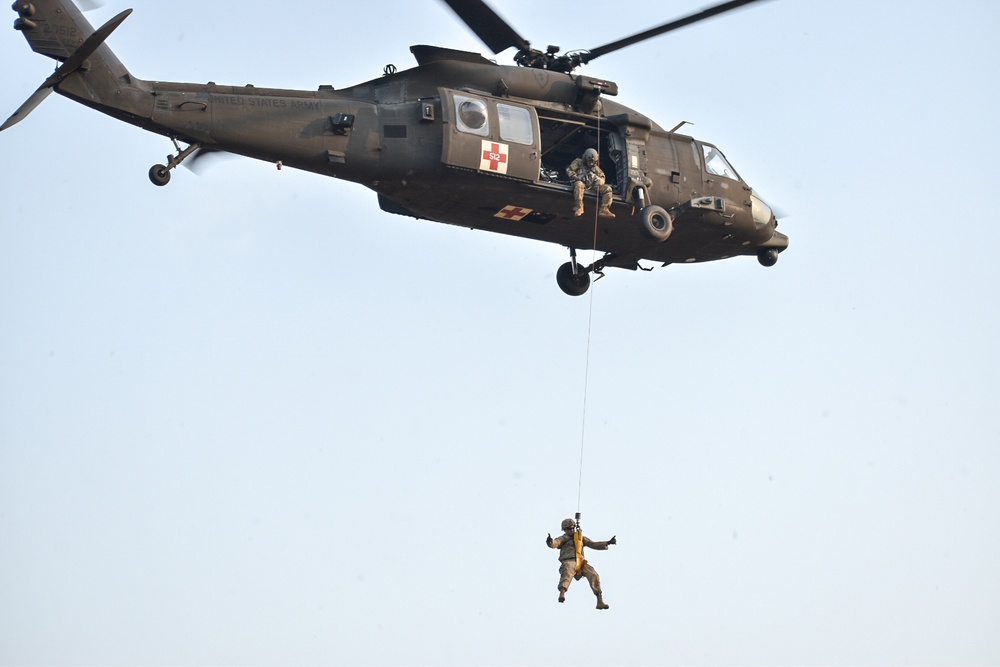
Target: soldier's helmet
{"points": [[567, 524], [590, 155]]}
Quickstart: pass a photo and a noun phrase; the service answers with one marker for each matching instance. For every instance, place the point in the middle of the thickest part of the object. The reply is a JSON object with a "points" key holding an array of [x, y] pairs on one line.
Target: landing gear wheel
{"points": [[767, 257], [656, 223], [159, 175], [574, 284]]}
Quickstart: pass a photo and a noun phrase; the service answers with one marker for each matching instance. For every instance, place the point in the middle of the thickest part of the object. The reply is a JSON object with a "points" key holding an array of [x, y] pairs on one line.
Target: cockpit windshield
{"points": [[716, 163]]}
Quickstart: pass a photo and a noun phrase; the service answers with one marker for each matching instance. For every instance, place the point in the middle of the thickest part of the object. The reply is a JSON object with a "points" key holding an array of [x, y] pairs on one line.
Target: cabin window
{"points": [[471, 117], [716, 163], [515, 124]]}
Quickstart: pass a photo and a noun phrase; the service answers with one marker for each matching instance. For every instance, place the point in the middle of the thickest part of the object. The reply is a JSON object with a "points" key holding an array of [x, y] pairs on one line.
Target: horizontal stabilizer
{"points": [[72, 63], [26, 108]]}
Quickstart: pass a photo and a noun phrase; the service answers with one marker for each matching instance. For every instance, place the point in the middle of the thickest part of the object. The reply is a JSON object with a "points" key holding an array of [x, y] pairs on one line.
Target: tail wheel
{"points": [[159, 174], [574, 284], [656, 223]]}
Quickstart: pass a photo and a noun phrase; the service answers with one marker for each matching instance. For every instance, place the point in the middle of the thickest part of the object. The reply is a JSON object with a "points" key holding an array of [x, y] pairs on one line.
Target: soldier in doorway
{"points": [[571, 562], [586, 175]]}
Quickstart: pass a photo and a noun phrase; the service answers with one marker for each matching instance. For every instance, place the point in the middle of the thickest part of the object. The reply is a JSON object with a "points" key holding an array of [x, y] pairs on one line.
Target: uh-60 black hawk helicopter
{"points": [[457, 139]]}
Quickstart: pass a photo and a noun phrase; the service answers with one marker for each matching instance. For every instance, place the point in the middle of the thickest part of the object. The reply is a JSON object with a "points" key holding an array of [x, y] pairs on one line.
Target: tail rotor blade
{"points": [[203, 158]]}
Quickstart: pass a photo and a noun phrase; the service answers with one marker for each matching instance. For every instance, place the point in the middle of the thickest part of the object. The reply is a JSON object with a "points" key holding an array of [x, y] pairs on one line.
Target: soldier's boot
{"points": [[605, 211], [600, 602], [578, 199], [562, 594]]}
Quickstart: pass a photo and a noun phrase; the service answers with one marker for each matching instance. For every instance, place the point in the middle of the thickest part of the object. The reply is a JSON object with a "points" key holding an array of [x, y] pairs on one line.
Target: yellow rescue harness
{"points": [[581, 562]]}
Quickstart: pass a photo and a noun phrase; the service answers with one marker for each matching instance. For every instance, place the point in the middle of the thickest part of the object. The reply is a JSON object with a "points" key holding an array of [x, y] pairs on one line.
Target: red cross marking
{"points": [[513, 212], [495, 157]]}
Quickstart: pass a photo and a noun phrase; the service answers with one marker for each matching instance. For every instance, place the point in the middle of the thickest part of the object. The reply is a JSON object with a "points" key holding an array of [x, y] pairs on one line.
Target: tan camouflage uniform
{"points": [[567, 563], [589, 178]]}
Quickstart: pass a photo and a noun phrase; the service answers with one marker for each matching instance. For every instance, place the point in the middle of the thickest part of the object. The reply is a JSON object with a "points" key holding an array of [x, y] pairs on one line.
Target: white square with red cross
{"points": [[494, 157]]}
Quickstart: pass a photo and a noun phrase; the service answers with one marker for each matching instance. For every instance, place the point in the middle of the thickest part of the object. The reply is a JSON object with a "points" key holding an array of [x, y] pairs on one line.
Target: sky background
{"points": [[251, 419]]}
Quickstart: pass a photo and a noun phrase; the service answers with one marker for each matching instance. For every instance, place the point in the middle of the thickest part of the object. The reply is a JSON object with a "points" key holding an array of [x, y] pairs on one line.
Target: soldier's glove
{"points": [[613, 540], [548, 540]]}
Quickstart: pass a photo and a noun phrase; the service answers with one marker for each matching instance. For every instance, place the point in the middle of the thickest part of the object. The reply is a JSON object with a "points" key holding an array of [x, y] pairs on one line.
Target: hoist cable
{"points": [[590, 321], [586, 380]]}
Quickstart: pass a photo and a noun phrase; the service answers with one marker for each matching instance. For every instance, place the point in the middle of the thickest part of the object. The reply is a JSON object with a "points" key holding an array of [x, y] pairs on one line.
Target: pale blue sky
{"points": [[249, 418]]}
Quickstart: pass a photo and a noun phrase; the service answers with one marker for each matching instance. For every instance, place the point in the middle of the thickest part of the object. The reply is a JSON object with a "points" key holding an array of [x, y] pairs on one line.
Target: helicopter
{"points": [[457, 139]]}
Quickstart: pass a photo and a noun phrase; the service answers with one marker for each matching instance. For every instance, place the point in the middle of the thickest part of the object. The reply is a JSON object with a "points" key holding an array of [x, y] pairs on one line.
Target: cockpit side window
{"points": [[716, 163]]}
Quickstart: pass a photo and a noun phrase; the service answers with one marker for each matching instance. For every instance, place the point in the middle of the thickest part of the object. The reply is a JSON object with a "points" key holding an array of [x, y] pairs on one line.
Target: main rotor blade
{"points": [[487, 24], [666, 27]]}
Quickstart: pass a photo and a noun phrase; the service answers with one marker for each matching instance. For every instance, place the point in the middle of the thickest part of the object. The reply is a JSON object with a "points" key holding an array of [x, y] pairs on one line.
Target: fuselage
{"points": [[457, 139]]}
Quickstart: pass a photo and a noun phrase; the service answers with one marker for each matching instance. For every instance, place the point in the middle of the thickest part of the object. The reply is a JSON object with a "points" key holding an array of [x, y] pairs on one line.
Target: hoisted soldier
{"points": [[586, 175], [572, 565]]}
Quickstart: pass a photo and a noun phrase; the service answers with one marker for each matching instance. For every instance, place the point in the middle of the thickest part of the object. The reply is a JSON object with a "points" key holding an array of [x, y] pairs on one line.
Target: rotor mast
{"points": [[498, 35]]}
